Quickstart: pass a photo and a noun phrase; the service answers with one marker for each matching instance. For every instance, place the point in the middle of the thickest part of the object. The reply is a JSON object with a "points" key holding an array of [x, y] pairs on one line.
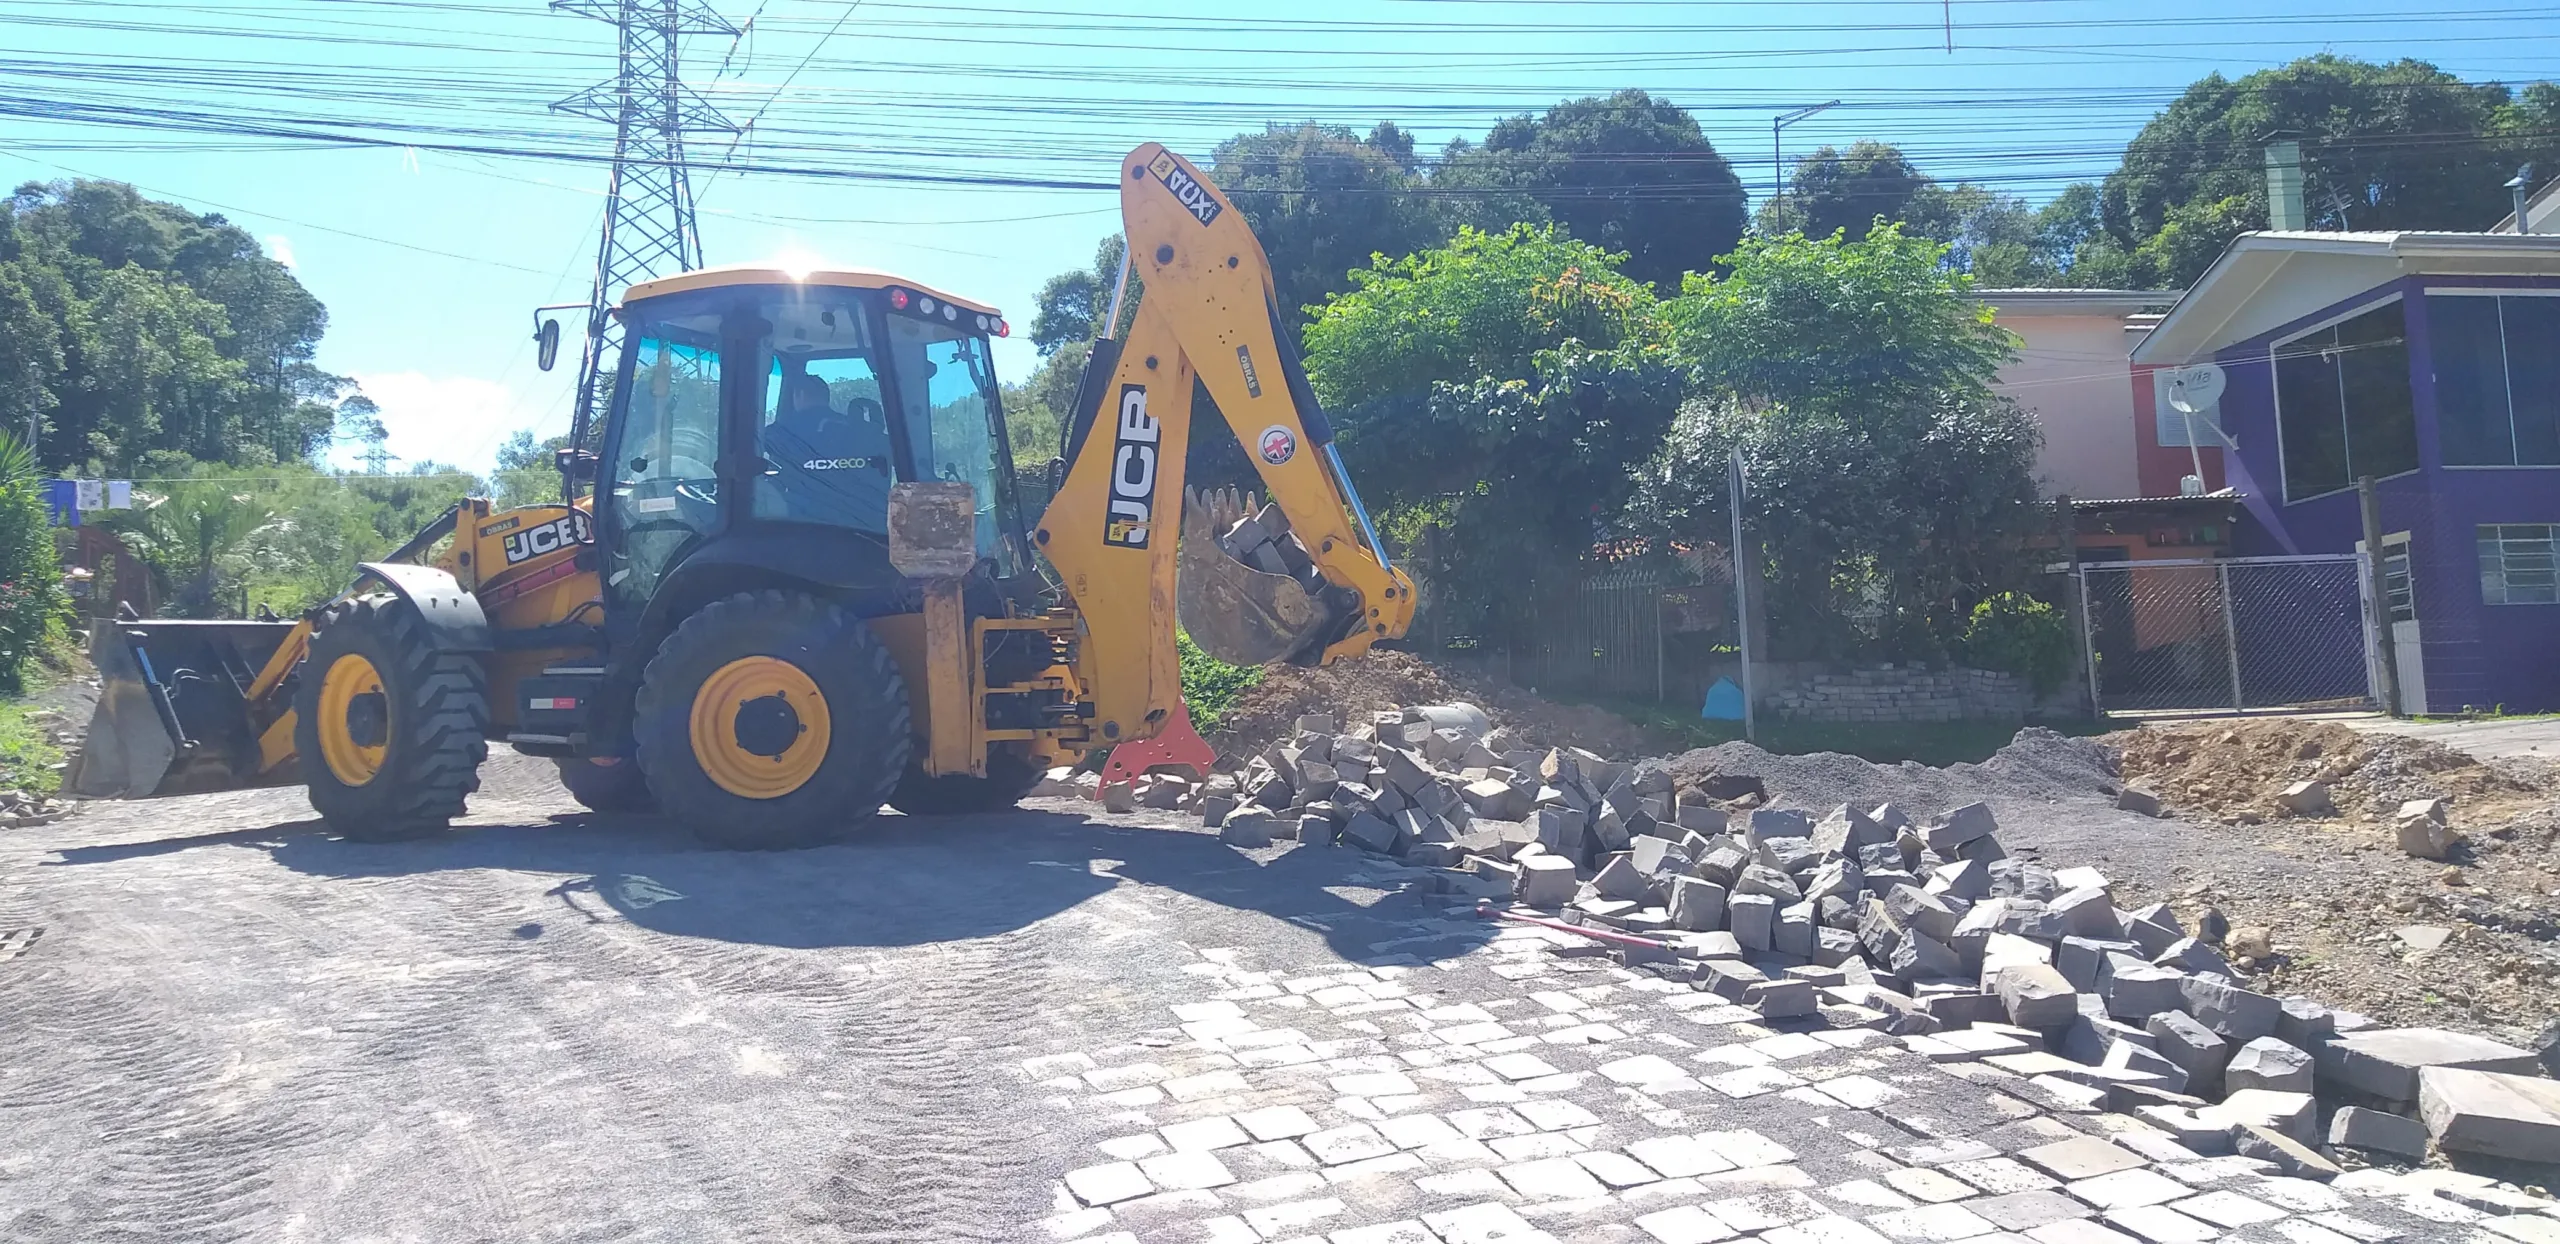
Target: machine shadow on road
{"points": [[899, 881]]}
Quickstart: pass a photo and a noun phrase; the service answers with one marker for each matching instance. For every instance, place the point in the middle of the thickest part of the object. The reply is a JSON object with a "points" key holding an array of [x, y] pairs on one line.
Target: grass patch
{"points": [[1936, 743], [27, 755], [1211, 686]]}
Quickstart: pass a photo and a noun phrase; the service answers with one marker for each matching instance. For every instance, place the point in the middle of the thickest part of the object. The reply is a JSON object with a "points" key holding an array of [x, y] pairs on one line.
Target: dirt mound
{"points": [[2232, 771], [2038, 765], [1383, 680]]}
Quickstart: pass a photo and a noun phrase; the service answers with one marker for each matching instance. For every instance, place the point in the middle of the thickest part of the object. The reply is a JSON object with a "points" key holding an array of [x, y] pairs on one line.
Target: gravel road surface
{"points": [[552, 1025]]}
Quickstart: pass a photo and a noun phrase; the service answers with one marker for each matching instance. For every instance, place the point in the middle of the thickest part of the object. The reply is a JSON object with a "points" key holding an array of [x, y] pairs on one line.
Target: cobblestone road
{"points": [[219, 1024]]}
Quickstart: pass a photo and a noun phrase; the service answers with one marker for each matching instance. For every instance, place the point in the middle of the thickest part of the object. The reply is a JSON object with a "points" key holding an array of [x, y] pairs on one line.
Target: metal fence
{"points": [[1651, 632], [2229, 633]]}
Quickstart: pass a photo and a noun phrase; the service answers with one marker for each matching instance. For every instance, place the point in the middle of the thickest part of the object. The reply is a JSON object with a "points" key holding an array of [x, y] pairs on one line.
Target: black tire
{"points": [[431, 715], [1010, 776], [868, 736], [616, 787]]}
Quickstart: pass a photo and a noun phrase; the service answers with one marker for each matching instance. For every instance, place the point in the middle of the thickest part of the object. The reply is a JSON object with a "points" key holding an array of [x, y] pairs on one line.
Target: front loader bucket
{"points": [[172, 717], [1246, 614]]}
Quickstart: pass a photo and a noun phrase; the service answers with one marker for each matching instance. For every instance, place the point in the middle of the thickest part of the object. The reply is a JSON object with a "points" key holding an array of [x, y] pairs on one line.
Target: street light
{"points": [[1777, 162]]}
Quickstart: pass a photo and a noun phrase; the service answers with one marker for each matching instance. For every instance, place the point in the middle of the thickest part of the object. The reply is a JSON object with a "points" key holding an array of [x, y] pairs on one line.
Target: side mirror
{"points": [[1057, 475], [576, 464], [546, 347]]}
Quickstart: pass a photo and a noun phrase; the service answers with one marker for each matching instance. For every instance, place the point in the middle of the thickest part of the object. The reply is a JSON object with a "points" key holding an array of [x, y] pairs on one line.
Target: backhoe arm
{"points": [[1210, 312]]}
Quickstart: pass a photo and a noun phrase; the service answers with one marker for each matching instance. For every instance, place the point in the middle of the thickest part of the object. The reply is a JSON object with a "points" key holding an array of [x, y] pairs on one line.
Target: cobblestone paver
{"points": [[1533, 1090]]}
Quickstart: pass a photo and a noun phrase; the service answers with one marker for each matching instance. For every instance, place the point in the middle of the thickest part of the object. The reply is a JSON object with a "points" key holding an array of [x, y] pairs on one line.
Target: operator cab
{"points": [[788, 403]]}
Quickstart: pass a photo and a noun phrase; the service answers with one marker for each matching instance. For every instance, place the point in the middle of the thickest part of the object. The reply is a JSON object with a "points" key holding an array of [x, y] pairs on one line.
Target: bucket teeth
{"points": [[1249, 593]]}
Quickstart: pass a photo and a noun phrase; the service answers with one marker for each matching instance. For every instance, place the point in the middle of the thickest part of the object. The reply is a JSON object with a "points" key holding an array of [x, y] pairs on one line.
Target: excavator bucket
{"points": [[1248, 593], [172, 717]]}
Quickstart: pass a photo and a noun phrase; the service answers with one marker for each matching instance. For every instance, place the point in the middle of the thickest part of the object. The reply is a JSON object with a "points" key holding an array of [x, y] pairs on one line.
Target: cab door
{"points": [[661, 467]]}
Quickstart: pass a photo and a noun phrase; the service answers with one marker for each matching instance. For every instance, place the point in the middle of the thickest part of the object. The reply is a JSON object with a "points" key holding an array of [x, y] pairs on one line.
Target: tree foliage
{"points": [[1626, 172], [1891, 485], [1831, 320], [218, 537], [1323, 200], [1846, 192], [1493, 392], [129, 326], [32, 606], [2402, 145]]}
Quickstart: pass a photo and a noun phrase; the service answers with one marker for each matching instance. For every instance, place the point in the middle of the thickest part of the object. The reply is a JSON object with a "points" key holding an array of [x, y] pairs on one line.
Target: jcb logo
{"points": [[1133, 472], [1186, 189], [549, 537]]}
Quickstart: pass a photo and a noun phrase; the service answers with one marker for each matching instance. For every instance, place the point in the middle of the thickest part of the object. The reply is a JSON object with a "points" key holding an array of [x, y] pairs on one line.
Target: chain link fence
{"points": [[2228, 634]]}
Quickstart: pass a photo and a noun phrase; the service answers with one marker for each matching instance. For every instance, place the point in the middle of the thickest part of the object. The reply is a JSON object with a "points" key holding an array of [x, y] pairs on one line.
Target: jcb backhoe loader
{"points": [[793, 584]]}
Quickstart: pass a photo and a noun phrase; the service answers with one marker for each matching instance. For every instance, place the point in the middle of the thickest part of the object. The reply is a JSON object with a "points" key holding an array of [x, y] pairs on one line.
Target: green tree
{"points": [[32, 606], [1833, 320], [168, 330], [1492, 395], [2402, 145], [1834, 191], [1626, 172], [1072, 303], [1887, 479], [527, 472], [1323, 200]]}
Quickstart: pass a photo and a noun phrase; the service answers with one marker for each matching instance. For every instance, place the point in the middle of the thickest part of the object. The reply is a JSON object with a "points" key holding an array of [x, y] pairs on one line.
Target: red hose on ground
{"points": [[1486, 910]]}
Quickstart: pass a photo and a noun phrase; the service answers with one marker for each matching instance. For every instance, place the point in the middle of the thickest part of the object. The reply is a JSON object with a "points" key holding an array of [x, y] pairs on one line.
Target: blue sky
{"points": [[430, 260]]}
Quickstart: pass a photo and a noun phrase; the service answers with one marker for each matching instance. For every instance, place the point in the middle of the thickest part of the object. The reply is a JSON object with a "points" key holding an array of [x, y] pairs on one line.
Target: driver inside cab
{"points": [[830, 466]]}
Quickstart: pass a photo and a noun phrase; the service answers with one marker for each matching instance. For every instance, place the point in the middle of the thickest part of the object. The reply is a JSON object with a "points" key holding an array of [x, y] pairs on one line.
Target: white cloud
{"points": [[454, 420], [280, 249]]}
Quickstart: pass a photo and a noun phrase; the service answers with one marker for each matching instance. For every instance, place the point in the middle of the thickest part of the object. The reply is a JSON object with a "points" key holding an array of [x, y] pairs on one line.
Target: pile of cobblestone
{"points": [[1924, 929]]}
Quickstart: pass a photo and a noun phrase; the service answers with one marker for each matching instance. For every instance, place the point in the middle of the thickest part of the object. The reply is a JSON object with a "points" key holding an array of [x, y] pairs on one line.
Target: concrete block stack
{"points": [[1922, 928]]}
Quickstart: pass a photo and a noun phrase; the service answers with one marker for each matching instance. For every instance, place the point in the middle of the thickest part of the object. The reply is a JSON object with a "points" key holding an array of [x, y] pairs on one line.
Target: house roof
{"points": [[2020, 302], [2263, 281]]}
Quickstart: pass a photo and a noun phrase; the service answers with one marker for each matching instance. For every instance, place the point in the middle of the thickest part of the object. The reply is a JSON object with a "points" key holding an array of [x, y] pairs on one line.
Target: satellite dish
{"points": [[2196, 388]]}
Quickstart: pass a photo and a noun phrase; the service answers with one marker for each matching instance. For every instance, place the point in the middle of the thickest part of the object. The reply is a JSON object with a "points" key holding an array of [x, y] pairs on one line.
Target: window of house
{"points": [[2343, 404], [2497, 370], [2516, 564]]}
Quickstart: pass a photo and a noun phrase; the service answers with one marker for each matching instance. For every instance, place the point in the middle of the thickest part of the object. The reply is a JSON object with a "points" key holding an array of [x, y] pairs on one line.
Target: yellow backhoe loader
{"points": [[793, 584]]}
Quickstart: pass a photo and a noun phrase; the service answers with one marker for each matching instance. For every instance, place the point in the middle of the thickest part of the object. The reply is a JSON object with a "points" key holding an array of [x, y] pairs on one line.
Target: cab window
{"points": [[954, 427], [823, 433]]}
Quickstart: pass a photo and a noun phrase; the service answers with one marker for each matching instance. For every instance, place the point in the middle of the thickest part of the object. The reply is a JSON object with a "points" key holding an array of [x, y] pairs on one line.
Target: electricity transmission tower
{"points": [[648, 208]]}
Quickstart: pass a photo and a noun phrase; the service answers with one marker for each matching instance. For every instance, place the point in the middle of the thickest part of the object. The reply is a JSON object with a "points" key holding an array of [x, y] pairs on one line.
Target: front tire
{"points": [[391, 731], [1010, 776], [606, 787], [772, 720]]}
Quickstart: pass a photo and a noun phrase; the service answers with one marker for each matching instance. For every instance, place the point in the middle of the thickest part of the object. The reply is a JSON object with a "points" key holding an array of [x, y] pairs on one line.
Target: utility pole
{"points": [[648, 207], [1777, 160]]}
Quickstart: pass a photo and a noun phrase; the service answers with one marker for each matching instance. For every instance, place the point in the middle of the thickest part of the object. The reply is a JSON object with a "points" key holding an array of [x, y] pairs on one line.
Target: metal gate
{"points": [[2231, 633]]}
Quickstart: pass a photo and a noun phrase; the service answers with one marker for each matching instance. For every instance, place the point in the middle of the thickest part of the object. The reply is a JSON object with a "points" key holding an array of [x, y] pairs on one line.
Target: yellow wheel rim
{"points": [[355, 722], [760, 728]]}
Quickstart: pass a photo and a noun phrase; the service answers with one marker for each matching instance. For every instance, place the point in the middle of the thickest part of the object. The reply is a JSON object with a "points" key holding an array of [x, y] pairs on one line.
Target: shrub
{"points": [[32, 604], [1210, 686], [2022, 635]]}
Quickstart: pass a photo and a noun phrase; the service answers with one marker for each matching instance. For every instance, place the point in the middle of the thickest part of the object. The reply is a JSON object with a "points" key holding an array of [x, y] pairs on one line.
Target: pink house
{"points": [[2109, 435]]}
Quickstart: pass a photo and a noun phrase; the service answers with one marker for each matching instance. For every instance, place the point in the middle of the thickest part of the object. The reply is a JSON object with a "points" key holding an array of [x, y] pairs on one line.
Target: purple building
{"points": [[2430, 362]]}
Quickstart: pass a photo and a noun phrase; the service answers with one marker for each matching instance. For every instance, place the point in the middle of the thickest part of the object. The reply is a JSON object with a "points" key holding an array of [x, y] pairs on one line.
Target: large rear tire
{"points": [[391, 731], [772, 720], [606, 786], [1010, 776]]}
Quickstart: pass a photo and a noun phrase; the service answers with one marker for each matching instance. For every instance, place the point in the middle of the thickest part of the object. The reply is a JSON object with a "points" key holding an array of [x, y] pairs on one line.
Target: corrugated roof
{"points": [[2240, 295]]}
